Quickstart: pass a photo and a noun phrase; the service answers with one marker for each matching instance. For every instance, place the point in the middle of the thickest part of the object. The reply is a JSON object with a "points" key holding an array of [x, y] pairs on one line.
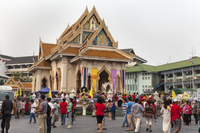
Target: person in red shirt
{"points": [[124, 97], [116, 98], [190, 111], [175, 112], [141, 98], [99, 112], [63, 111], [133, 96]]}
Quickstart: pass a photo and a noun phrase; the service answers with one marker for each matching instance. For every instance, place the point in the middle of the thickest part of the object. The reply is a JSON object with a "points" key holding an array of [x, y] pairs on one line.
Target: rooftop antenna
{"points": [[193, 51]]}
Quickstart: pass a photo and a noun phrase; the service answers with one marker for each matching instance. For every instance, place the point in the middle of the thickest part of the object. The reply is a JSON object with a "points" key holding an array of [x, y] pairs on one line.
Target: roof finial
{"points": [[94, 9]]}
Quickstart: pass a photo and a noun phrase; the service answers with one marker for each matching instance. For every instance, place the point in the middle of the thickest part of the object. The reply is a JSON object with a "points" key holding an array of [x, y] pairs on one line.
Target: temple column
{"points": [[38, 80], [64, 75]]}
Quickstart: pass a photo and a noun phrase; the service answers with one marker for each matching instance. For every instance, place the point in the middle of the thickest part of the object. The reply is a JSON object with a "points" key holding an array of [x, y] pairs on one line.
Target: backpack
{"points": [[48, 110]]}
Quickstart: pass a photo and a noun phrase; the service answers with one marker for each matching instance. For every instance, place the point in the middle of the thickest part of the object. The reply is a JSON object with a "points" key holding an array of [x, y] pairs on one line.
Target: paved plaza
{"points": [[87, 124]]}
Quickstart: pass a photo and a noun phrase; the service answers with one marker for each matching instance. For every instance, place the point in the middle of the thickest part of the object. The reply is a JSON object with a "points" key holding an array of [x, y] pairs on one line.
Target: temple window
{"points": [[44, 83]]}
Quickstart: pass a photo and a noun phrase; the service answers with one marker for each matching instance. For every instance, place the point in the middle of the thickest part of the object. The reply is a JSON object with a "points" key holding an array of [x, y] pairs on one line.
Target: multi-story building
{"points": [[182, 74], [3, 60], [20, 64]]}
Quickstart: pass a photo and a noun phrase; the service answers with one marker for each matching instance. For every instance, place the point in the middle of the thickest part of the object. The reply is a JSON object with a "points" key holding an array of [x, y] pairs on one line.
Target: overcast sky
{"points": [[155, 29]]}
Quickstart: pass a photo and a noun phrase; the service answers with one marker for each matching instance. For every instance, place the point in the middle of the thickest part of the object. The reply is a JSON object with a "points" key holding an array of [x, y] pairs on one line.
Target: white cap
{"points": [[175, 100]]}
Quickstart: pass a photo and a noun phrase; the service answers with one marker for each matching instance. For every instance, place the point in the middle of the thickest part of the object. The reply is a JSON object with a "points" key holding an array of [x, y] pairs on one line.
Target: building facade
{"points": [[85, 55], [180, 74]]}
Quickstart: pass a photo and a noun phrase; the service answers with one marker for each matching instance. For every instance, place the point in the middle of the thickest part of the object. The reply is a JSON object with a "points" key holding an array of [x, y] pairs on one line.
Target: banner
{"points": [[173, 94], [94, 77], [123, 76], [114, 74], [84, 74]]}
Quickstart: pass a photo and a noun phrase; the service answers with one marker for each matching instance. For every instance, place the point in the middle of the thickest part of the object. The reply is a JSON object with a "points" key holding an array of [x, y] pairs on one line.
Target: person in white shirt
{"points": [[62, 95], [50, 117], [32, 114], [55, 115]]}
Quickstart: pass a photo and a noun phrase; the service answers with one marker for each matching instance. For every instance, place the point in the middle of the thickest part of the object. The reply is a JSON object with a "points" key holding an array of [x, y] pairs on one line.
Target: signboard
{"points": [[198, 95]]}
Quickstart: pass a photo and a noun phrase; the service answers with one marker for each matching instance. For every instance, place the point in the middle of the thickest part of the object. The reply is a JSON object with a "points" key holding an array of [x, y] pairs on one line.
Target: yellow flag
{"points": [[20, 92], [173, 94], [50, 95], [91, 94], [17, 93], [187, 94], [94, 77]]}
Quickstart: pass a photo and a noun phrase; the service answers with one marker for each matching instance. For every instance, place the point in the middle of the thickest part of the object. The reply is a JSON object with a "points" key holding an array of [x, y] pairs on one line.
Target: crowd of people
{"points": [[135, 108]]}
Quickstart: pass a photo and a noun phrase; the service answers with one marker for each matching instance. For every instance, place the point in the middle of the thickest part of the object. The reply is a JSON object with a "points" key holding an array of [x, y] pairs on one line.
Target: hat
{"points": [[175, 100]]}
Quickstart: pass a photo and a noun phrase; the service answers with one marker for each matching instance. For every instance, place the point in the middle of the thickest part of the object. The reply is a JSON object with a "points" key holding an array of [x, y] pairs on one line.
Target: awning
{"points": [[179, 90], [45, 90], [159, 85]]}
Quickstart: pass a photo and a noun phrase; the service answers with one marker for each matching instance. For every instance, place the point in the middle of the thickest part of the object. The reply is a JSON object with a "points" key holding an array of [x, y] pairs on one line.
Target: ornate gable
{"points": [[92, 21], [85, 36], [19, 84], [102, 39], [10, 81], [76, 39]]}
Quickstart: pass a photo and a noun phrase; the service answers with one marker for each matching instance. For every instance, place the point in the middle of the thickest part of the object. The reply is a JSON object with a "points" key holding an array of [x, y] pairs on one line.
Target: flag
{"points": [[191, 61], [187, 94], [173, 94], [91, 94], [84, 74], [20, 92], [94, 77], [50, 95], [17, 94], [33, 57]]}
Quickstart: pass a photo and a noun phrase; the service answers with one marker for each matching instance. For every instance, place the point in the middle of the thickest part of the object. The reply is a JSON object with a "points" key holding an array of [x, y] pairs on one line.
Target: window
{"points": [[133, 88], [131, 75], [145, 74], [143, 90], [143, 78], [136, 88], [24, 66], [128, 87], [148, 78], [143, 86], [10, 67], [17, 66]]}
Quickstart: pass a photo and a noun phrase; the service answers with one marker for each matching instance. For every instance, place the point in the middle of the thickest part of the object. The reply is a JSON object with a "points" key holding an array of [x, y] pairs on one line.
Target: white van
{"points": [[5, 90]]}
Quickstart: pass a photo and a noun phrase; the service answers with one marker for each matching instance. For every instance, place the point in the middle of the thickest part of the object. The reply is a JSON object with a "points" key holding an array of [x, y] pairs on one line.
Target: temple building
{"points": [[85, 55]]}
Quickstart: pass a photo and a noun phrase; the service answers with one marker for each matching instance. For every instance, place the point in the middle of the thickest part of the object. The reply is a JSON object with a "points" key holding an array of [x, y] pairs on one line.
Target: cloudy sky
{"points": [[159, 31]]}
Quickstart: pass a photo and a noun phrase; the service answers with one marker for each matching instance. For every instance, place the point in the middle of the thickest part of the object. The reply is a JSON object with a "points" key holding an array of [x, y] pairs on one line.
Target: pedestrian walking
{"points": [[42, 115], [22, 106], [124, 104], [109, 106], [69, 111], [129, 117], [136, 112], [195, 112], [32, 113], [165, 111], [6, 110], [113, 111], [190, 111], [17, 108], [99, 113], [186, 113], [149, 110], [49, 117], [74, 111], [63, 111], [55, 114], [176, 113], [154, 111]]}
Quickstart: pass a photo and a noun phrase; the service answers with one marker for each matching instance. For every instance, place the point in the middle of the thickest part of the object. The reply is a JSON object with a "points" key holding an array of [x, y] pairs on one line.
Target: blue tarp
{"points": [[45, 90], [159, 85]]}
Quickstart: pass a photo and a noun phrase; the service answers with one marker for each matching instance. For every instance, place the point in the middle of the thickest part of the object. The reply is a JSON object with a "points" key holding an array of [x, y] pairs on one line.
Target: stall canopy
{"points": [[179, 90], [45, 90]]}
